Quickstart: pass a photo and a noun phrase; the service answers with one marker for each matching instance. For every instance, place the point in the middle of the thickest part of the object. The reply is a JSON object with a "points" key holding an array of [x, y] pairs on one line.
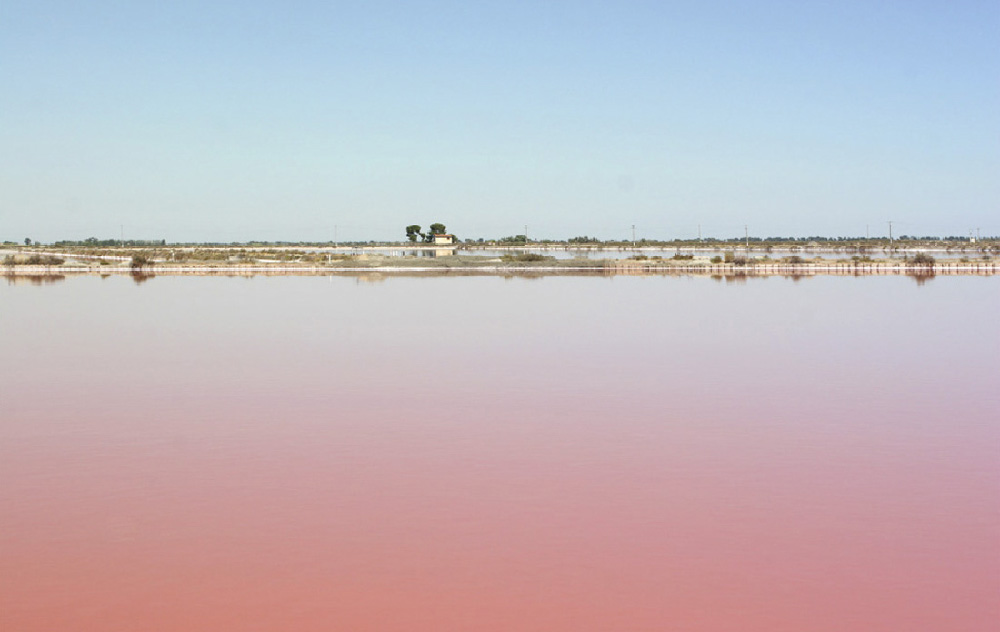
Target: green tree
{"points": [[27, 241], [438, 229], [412, 232]]}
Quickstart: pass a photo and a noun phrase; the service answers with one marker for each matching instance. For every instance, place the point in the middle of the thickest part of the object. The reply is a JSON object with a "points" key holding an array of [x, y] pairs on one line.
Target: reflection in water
{"points": [[922, 277], [528, 275], [34, 279], [370, 277], [425, 252], [140, 277]]}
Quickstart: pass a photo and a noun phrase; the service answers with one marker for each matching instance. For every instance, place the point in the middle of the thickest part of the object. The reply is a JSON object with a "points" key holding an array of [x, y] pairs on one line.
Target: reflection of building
{"points": [[444, 252], [444, 240]]}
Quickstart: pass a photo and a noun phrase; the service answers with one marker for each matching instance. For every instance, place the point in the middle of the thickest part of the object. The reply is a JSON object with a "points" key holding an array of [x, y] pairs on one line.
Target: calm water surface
{"points": [[476, 453]]}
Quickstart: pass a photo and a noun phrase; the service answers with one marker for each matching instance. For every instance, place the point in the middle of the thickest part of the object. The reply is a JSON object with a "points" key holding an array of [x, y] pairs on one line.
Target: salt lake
{"points": [[481, 453]]}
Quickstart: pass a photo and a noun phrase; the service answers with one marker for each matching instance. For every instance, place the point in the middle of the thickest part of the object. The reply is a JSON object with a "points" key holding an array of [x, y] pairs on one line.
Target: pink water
{"points": [[488, 454]]}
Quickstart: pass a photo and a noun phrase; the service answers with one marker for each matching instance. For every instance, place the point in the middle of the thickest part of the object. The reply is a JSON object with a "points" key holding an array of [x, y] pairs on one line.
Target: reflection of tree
{"points": [[140, 277], [922, 276], [527, 276], [34, 279]]}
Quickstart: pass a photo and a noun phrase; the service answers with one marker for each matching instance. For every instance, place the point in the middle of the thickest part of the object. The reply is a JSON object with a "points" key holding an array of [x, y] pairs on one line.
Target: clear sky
{"points": [[226, 121]]}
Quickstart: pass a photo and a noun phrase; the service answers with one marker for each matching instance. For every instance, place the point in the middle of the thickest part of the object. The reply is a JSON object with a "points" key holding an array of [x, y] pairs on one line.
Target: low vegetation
{"points": [[144, 255], [525, 257], [33, 260]]}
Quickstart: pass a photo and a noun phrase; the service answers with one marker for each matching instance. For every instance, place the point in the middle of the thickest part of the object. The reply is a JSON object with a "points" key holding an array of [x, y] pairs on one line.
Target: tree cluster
{"points": [[413, 232], [94, 242]]}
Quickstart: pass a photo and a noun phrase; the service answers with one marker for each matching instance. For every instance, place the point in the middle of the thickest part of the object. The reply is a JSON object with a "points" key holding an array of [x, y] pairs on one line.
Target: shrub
{"points": [[43, 260], [730, 256], [525, 257], [923, 259], [716, 259], [795, 259]]}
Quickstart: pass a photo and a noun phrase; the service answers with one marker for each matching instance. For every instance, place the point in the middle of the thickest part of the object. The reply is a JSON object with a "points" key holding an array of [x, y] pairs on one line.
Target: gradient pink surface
{"points": [[489, 454]]}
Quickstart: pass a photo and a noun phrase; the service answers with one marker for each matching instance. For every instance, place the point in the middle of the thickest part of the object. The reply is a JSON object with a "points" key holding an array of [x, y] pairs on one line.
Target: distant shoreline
{"points": [[426, 261], [605, 268]]}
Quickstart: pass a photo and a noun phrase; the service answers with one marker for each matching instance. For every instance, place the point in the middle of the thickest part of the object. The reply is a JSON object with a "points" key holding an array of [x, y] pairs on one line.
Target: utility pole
{"points": [[334, 235], [746, 235], [977, 234], [633, 235], [525, 235], [123, 235], [890, 234], [866, 232]]}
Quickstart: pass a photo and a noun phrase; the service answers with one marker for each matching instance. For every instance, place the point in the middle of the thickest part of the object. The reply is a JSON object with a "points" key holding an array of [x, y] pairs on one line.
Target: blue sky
{"points": [[266, 120]]}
